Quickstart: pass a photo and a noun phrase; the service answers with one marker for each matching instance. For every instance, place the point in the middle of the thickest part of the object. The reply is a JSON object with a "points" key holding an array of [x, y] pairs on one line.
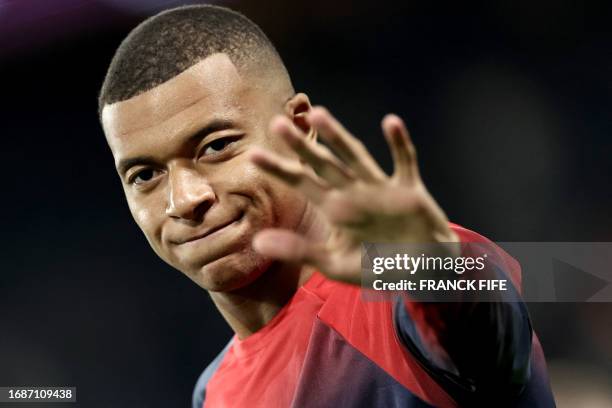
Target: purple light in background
{"points": [[27, 24], [31, 23], [148, 6]]}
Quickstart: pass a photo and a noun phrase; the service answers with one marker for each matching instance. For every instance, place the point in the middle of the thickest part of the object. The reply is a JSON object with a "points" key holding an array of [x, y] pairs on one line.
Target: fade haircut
{"points": [[174, 40]]}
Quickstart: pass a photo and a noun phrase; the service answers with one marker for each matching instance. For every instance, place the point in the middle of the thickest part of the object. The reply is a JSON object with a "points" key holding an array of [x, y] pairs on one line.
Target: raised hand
{"points": [[357, 199]]}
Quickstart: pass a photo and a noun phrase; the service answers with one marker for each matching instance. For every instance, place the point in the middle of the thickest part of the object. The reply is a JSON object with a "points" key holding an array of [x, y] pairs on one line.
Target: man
{"points": [[222, 172]]}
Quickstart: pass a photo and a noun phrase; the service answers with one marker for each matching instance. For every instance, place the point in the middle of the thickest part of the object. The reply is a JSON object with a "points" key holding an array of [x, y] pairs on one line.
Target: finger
{"points": [[289, 246], [346, 146], [322, 161], [291, 172], [402, 149]]}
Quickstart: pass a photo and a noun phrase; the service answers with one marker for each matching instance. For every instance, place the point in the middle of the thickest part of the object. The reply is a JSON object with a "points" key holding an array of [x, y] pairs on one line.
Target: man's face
{"points": [[181, 152]]}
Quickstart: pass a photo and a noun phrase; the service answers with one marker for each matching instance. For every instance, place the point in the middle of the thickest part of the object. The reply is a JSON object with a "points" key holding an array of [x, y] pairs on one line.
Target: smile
{"points": [[211, 231]]}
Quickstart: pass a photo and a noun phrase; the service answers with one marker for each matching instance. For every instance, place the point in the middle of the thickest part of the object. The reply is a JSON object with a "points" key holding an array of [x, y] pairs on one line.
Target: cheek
{"points": [[271, 200], [147, 217], [144, 218], [282, 203]]}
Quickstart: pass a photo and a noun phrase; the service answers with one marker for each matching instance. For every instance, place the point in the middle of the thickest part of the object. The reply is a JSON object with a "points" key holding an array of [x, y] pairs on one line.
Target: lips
{"points": [[208, 231]]}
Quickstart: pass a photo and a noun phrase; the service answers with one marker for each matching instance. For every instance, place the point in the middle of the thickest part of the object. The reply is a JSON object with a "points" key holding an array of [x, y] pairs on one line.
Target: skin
{"points": [[223, 174]]}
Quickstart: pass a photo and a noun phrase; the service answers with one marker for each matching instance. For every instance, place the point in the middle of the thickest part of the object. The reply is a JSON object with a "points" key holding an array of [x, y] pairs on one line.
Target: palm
{"points": [[358, 200]]}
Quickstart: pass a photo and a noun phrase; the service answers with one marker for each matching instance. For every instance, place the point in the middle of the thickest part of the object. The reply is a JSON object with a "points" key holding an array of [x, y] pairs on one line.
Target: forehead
{"points": [[213, 82]]}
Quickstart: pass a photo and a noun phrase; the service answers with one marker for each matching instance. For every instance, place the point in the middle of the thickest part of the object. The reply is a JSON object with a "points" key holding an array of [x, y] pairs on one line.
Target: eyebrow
{"points": [[215, 125]]}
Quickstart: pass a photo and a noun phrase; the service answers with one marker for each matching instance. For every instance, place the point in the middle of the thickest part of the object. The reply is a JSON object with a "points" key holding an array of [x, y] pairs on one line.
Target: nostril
{"points": [[200, 210]]}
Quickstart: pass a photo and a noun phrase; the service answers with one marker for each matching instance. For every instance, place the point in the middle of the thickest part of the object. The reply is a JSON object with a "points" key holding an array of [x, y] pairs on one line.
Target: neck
{"points": [[251, 307]]}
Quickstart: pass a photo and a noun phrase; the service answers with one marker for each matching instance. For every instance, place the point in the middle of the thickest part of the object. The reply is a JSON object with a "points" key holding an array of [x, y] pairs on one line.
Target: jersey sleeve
{"points": [[199, 391], [478, 351]]}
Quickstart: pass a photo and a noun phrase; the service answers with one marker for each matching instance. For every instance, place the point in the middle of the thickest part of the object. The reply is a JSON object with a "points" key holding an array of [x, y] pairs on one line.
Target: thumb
{"points": [[288, 246]]}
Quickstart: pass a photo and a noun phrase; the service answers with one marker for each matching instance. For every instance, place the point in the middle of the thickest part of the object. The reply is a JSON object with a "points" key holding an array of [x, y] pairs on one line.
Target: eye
{"points": [[143, 176], [216, 146]]}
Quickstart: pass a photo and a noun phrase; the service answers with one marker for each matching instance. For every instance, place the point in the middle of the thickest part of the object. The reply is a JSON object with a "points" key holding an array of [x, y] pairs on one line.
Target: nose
{"points": [[190, 195]]}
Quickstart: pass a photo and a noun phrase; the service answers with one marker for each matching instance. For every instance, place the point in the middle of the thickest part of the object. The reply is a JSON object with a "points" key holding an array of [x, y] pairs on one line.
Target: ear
{"points": [[297, 108]]}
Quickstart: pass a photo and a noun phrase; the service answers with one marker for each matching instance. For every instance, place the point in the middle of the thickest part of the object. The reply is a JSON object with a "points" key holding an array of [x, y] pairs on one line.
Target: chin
{"points": [[230, 272]]}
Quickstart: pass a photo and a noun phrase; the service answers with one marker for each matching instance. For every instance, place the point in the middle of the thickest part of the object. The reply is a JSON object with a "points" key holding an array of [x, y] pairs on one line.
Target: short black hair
{"points": [[174, 40]]}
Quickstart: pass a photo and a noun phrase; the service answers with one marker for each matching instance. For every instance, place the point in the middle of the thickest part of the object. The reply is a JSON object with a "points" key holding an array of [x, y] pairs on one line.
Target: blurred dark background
{"points": [[509, 104]]}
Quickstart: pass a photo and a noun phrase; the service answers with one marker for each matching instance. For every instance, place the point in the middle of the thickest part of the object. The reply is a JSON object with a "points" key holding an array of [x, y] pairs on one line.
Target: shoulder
{"points": [[199, 391], [505, 262]]}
